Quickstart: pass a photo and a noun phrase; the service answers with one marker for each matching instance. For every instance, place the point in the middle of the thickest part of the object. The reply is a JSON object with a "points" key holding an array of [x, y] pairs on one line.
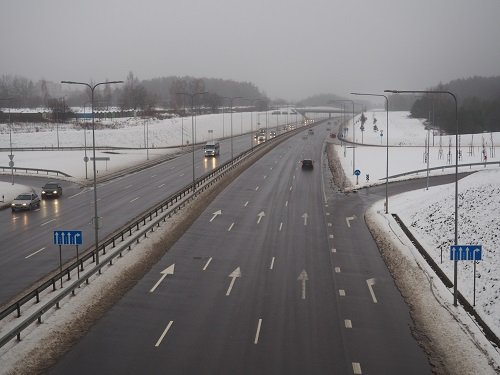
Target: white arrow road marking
{"points": [[371, 283], [260, 215], [167, 271], [349, 219], [216, 213], [305, 216], [257, 334], [233, 275], [208, 262], [303, 278], [36, 252], [164, 333]]}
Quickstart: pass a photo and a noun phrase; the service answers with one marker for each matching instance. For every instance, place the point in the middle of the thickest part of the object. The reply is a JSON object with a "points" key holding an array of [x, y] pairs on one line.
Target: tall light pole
{"points": [[96, 220], [353, 133], [455, 268], [386, 147], [11, 156], [231, 99], [192, 125]]}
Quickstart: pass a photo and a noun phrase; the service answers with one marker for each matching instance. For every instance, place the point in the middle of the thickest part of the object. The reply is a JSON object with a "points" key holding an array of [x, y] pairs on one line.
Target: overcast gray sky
{"points": [[289, 49]]}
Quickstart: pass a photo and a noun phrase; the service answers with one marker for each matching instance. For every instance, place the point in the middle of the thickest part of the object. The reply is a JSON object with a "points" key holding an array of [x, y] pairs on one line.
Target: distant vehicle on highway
{"points": [[272, 134], [51, 189], [25, 201], [333, 135], [211, 149], [307, 164]]}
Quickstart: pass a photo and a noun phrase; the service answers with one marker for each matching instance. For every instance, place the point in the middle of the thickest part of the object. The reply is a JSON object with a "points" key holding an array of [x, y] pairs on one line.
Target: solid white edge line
{"points": [[257, 334], [206, 265], [36, 252], [164, 333]]}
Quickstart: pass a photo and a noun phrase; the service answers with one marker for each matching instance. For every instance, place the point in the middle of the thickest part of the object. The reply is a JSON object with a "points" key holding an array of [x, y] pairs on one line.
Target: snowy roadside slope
{"points": [[430, 216]]}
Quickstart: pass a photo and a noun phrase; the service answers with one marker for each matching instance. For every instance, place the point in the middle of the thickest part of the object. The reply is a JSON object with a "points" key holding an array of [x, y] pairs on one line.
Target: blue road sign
{"points": [[466, 252], [357, 172], [68, 237]]}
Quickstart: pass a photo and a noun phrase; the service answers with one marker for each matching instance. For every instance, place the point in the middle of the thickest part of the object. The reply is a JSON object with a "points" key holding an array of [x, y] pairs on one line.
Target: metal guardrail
{"points": [[443, 167], [490, 335], [154, 215], [37, 170]]}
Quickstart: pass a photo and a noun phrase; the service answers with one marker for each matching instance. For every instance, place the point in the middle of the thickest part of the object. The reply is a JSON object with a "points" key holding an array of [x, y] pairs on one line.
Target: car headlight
{"points": [[13, 204], [54, 192], [43, 192], [24, 204]]}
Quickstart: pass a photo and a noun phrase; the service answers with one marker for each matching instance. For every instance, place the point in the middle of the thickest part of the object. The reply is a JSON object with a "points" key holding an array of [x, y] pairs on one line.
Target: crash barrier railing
{"points": [[490, 335], [443, 167], [155, 215], [36, 170]]}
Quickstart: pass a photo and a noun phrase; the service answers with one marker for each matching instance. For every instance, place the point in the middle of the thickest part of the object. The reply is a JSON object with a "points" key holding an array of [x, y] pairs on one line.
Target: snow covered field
{"points": [[428, 213]]}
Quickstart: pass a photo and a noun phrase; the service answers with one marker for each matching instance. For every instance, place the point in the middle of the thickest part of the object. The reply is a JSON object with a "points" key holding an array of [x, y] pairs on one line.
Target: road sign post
{"points": [[467, 252], [68, 237], [357, 172]]}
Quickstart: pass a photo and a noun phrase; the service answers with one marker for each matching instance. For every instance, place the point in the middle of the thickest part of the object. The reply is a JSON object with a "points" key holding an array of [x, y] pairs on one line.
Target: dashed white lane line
{"points": [[348, 323], [334, 250], [342, 292], [128, 186], [181, 175], [281, 226], [257, 334], [164, 333], [356, 368], [36, 252], [330, 236], [230, 227], [206, 264], [257, 188], [272, 264], [291, 187], [153, 176], [133, 200], [286, 204], [246, 204], [337, 269], [160, 186], [47, 222]]}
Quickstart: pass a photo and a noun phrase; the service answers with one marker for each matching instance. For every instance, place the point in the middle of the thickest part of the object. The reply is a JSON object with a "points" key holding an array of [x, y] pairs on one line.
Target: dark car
{"points": [[51, 189], [307, 164], [25, 201]]}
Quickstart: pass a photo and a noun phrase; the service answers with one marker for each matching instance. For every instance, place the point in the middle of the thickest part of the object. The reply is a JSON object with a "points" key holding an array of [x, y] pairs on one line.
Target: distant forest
{"points": [[478, 106], [132, 94]]}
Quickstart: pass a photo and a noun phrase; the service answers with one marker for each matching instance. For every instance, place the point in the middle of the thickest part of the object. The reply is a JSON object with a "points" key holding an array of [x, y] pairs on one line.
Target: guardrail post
{"points": [[18, 308], [37, 294], [53, 285]]}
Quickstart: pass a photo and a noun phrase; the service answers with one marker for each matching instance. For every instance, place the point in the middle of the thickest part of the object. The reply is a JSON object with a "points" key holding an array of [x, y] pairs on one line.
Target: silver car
{"points": [[25, 201]]}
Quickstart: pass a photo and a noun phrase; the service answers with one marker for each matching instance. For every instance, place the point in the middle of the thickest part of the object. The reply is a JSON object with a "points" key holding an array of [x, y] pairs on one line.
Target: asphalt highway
{"points": [[27, 250], [279, 275]]}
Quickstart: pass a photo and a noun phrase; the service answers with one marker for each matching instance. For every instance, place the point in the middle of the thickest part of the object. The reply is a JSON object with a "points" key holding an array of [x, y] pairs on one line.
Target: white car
{"points": [[25, 201]]}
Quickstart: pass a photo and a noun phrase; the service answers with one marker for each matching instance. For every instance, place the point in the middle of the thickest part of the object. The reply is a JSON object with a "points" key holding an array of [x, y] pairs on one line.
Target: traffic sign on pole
{"points": [[466, 252], [68, 237]]}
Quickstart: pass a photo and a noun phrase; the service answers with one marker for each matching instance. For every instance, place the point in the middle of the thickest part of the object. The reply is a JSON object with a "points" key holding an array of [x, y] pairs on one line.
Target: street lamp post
{"points": [[192, 125], [231, 113], [96, 221], [353, 133], [455, 268], [386, 147], [11, 156]]}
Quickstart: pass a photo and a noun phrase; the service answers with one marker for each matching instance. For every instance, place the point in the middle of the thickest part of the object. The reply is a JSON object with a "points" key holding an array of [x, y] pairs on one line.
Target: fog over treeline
{"points": [[478, 98], [132, 94]]}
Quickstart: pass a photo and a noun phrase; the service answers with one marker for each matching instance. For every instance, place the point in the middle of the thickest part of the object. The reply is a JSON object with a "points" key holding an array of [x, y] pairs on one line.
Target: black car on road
{"points": [[51, 189]]}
